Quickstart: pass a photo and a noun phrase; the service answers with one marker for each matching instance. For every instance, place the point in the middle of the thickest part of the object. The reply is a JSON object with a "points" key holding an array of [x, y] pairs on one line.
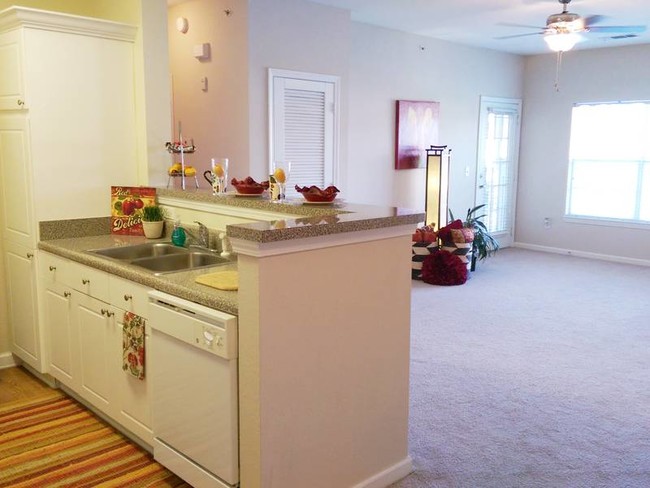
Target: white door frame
{"points": [[275, 73], [514, 104]]}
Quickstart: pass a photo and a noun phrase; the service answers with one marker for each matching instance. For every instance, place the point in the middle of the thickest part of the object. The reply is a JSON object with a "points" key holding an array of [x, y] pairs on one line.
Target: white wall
{"points": [[387, 65], [217, 119], [293, 35], [590, 75]]}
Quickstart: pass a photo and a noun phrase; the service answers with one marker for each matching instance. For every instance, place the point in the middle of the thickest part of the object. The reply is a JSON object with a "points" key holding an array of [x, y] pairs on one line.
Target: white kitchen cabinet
{"points": [[60, 334], [67, 132], [15, 180], [132, 396], [59, 324], [83, 319], [20, 268], [11, 82]]}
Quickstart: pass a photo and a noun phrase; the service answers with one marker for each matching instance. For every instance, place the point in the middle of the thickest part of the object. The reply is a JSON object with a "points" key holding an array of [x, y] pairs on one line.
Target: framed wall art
{"points": [[416, 130]]}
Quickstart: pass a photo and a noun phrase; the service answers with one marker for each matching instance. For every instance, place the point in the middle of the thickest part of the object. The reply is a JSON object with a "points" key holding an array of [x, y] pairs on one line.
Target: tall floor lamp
{"points": [[437, 190]]}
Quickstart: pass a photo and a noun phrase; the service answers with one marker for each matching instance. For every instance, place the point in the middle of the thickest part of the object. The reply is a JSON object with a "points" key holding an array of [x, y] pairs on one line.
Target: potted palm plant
{"points": [[153, 221], [484, 245]]}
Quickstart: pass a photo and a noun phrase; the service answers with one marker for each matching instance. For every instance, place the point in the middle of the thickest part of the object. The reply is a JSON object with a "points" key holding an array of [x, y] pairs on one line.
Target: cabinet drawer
{"points": [[128, 295], [55, 270], [90, 281]]}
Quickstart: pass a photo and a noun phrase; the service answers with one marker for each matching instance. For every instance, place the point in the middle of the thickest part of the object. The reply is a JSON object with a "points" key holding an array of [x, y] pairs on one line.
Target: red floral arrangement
{"points": [[443, 268]]}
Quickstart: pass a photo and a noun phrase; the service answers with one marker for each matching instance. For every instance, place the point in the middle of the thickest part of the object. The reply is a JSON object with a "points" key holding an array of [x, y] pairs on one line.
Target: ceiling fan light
{"points": [[561, 42]]}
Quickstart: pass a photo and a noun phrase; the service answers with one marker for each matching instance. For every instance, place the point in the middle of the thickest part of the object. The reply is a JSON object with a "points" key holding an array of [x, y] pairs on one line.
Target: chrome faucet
{"points": [[204, 235], [203, 238]]}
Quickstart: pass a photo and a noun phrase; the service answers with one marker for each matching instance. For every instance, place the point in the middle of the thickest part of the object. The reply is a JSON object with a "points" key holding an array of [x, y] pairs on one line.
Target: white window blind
{"points": [[609, 162], [303, 127]]}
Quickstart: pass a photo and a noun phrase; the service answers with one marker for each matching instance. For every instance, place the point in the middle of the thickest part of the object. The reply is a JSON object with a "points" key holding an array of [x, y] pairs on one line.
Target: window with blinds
{"points": [[609, 162], [303, 127]]}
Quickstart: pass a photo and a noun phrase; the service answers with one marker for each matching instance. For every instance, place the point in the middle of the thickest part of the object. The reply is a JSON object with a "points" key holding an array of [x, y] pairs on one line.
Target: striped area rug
{"points": [[52, 441]]}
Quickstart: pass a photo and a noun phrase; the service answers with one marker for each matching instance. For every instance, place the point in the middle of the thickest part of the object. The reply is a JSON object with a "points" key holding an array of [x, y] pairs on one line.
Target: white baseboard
{"points": [[583, 254], [7, 360], [388, 476]]}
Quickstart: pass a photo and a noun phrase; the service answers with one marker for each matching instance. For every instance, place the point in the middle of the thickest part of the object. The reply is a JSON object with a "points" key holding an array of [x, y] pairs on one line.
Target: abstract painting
{"points": [[416, 130]]}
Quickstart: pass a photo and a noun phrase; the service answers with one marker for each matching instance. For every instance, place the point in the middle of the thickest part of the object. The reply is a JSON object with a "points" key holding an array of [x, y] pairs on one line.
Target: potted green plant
{"points": [[484, 245], [153, 221]]}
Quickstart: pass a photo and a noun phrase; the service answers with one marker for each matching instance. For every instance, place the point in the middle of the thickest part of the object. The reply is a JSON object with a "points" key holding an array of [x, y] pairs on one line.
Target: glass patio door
{"points": [[498, 157]]}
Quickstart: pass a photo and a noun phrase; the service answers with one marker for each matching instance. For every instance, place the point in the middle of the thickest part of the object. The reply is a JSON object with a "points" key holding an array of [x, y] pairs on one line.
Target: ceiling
{"points": [[478, 22]]}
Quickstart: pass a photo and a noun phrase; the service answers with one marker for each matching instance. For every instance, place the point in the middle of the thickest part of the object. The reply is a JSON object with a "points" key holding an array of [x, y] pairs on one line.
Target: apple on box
{"points": [[127, 203]]}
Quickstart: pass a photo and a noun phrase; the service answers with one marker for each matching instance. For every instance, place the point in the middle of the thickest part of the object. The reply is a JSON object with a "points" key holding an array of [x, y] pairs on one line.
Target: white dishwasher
{"points": [[192, 366]]}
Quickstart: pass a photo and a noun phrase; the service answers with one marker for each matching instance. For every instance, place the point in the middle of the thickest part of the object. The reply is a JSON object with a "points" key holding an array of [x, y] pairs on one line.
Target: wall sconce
{"points": [[437, 189]]}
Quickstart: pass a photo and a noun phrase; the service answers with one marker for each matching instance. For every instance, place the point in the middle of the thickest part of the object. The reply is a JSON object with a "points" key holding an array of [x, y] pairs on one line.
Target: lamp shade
{"points": [[562, 41]]}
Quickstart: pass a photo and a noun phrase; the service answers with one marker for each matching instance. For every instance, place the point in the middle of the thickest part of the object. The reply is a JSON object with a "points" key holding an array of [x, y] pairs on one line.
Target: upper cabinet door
{"points": [[15, 181], [12, 92]]}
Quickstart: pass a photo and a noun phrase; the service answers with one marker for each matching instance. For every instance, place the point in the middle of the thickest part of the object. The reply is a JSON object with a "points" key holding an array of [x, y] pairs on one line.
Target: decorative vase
{"points": [[153, 230]]}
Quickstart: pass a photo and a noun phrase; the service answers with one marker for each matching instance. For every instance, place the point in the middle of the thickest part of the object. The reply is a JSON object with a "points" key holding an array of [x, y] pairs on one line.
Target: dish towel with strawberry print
{"points": [[133, 345]]}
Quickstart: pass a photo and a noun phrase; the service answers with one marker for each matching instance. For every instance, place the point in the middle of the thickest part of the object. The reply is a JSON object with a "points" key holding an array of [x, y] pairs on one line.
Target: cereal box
{"points": [[127, 203]]}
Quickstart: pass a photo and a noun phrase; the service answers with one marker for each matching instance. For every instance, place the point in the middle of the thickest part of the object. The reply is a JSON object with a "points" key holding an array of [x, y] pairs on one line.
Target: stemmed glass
{"points": [[220, 174], [281, 173]]}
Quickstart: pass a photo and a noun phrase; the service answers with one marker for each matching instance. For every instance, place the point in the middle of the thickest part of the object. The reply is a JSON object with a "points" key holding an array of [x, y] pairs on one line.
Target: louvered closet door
{"points": [[303, 130]]}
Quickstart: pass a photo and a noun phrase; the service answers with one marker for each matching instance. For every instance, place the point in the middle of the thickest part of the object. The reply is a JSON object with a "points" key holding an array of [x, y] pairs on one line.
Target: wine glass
{"points": [[220, 173], [281, 173]]}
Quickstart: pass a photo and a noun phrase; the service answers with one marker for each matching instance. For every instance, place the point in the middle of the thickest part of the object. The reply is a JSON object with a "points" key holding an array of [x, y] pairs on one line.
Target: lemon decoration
{"points": [[280, 176], [218, 171]]}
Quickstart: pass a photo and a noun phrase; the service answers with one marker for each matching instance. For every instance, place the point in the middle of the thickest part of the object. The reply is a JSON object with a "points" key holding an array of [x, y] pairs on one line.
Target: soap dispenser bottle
{"points": [[178, 234]]}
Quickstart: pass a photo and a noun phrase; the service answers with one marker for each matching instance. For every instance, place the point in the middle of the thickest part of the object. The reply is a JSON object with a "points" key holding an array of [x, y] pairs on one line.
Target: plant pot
{"points": [[153, 230]]}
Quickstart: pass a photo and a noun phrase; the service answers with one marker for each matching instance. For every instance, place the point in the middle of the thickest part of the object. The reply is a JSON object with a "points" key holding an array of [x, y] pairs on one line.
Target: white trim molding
{"points": [[388, 476], [583, 254], [15, 17], [7, 360], [263, 249]]}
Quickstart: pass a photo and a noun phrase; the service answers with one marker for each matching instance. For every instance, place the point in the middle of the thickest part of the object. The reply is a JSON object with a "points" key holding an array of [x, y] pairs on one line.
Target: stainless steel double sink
{"points": [[163, 257]]}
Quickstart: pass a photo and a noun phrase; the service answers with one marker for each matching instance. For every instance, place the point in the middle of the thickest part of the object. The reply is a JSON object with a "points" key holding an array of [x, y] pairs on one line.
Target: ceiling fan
{"points": [[563, 30]]}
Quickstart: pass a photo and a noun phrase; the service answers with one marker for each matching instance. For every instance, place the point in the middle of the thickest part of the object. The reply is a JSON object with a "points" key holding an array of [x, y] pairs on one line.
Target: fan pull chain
{"points": [[558, 65]]}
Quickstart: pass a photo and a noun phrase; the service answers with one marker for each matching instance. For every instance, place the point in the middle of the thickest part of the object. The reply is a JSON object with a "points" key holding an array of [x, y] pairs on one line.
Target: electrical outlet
{"points": [[547, 223]]}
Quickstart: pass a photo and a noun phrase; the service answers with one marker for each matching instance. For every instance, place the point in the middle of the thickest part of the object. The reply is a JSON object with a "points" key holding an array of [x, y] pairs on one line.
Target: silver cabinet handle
{"points": [[30, 255], [67, 294], [107, 313], [52, 268], [128, 297], [85, 281]]}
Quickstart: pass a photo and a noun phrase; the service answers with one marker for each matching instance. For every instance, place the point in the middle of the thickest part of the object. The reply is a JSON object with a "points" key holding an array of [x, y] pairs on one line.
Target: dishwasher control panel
{"points": [[202, 327], [210, 337]]}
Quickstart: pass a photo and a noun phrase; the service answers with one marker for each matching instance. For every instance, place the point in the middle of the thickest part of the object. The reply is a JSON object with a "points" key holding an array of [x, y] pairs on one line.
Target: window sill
{"points": [[607, 222]]}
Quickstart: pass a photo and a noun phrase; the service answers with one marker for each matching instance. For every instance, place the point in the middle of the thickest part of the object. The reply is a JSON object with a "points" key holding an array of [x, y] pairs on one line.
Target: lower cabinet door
{"points": [[132, 394], [96, 334], [20, 275], [60, 331]]}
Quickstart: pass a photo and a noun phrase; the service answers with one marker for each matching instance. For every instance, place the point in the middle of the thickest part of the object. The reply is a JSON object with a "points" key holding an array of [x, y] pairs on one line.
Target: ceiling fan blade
{"points": [[618, 29], [593, 19], [508, 24], [519, 35]]}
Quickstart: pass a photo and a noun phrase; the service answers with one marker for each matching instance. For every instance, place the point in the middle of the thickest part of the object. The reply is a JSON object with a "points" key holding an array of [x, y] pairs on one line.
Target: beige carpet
{"points": [[535, 373]]}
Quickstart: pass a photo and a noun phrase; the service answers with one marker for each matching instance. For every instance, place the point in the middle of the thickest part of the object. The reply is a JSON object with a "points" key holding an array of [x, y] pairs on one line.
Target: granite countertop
{"points": [[310, 220], [180, 284], [73, 239]]}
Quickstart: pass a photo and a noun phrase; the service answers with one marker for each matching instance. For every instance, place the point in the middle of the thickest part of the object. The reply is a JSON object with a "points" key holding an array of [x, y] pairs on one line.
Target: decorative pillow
{"points": [[443, 268], [462, 235], [445, 232]]}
